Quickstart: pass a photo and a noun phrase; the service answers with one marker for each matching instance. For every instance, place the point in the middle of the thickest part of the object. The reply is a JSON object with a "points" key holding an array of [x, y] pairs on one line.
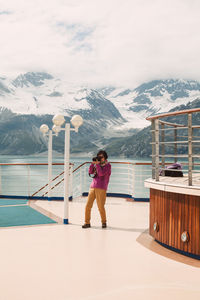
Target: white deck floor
{"points": [[66, 262]]}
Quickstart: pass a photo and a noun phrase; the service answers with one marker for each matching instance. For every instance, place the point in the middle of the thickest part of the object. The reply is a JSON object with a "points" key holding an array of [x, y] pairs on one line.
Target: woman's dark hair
{"points": [[102, 152]]}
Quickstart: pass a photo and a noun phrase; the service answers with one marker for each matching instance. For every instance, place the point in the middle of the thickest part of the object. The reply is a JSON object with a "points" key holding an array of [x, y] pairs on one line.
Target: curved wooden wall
{"points": [[175, 213]]}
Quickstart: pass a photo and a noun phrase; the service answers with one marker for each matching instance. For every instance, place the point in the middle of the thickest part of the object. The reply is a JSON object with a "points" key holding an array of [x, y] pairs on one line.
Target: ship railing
{"points": [[22, 180], [127, 180], [29, 180], [174, 136]]}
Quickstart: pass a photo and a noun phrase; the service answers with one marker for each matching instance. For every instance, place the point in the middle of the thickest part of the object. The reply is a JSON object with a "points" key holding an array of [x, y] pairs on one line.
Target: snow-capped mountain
{"points": [[41, 93], [109, 113], [151, 98]]}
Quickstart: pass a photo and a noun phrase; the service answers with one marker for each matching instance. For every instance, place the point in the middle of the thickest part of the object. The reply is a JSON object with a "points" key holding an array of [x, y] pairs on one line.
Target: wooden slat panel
{"points": [[190, 216], [179, 223], [182, 219], [197, 238], [176, 218], [151, 219], [176, 213], [186, 211], [170, 218], [167, 218], [157, 212], [163, 220]]}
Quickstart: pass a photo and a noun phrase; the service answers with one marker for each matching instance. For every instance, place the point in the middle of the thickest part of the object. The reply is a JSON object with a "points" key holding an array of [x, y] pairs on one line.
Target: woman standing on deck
{"points": [[100, 170]]}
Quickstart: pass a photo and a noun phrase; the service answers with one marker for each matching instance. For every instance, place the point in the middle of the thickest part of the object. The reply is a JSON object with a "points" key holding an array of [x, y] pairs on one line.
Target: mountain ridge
{"points": [[111, 115]]}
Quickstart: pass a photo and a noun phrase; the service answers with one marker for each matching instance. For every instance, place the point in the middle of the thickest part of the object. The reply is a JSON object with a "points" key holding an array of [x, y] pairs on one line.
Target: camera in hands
{"points": [[96, 158]]}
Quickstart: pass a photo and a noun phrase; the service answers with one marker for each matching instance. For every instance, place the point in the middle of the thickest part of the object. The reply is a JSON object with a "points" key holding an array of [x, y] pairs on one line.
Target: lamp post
{"points": [[58, 121], [45, 130]]}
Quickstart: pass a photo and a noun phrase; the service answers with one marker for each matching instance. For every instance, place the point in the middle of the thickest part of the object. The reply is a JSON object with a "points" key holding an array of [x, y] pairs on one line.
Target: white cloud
{"points": [[120, 42]]}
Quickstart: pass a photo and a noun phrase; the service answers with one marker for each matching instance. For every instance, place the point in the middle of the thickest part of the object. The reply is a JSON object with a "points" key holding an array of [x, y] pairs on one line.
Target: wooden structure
{"points": [[175, 214], [175, 202]]}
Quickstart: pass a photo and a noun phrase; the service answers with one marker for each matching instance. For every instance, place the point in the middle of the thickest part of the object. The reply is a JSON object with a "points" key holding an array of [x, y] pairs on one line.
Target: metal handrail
{"points": [[159, 128], [127, 178], [171, 124], [31, 164], [176, 113], [54, 164], [79, 167], [58, 183]]}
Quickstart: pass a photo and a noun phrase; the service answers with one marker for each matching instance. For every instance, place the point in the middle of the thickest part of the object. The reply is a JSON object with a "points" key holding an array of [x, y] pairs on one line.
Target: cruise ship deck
{"points": [[57, 261], [150, 250]]}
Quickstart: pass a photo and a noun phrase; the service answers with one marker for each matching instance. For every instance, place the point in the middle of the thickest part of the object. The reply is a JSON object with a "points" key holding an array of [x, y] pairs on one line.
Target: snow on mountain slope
{"points": [[151, 98], [46, 95], [122, 109], [41, 94], [123, 103]]}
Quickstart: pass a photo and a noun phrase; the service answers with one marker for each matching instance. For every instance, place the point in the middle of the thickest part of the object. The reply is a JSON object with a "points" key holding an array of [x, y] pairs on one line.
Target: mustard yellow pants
{"points": [[100, 196]]}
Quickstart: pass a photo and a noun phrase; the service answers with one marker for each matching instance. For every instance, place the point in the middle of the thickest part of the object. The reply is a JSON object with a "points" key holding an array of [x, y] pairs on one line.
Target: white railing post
{"points": [[28, 180], [163, 148], [81, 181], [129, 181], [133, 180], [190, 156], [157, 149], [0, 182], [84, 178], [49, 164], [153, 150]]}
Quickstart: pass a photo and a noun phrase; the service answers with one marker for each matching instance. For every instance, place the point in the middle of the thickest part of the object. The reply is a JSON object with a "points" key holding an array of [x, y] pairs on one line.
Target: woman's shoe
{"points": [[104, 225], [86, 226]]}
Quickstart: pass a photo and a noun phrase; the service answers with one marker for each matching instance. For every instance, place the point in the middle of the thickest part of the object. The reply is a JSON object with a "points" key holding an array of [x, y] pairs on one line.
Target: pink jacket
{"points": [[101, 179]]}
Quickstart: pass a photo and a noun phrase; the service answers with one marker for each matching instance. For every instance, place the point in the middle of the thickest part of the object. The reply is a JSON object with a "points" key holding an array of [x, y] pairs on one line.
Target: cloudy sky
{"points": [[101, 42]]}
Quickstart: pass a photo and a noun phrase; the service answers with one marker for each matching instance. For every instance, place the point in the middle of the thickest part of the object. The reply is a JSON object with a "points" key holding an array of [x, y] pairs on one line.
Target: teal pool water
{"points": [[6, 202], [22, 216]]}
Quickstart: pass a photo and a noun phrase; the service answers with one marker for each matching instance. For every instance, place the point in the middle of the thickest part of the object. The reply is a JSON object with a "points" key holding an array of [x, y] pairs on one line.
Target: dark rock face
{"points": [[142, 99], [101, 107], [139, 108], [55, 94], [3, 89], [170, 85], [31, 78], [124, 93]]}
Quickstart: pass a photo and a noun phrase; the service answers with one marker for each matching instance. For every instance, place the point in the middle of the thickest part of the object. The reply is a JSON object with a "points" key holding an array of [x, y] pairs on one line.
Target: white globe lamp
{"points": [[58, 120], [76, 121], [44, 128], [56, 129]]}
